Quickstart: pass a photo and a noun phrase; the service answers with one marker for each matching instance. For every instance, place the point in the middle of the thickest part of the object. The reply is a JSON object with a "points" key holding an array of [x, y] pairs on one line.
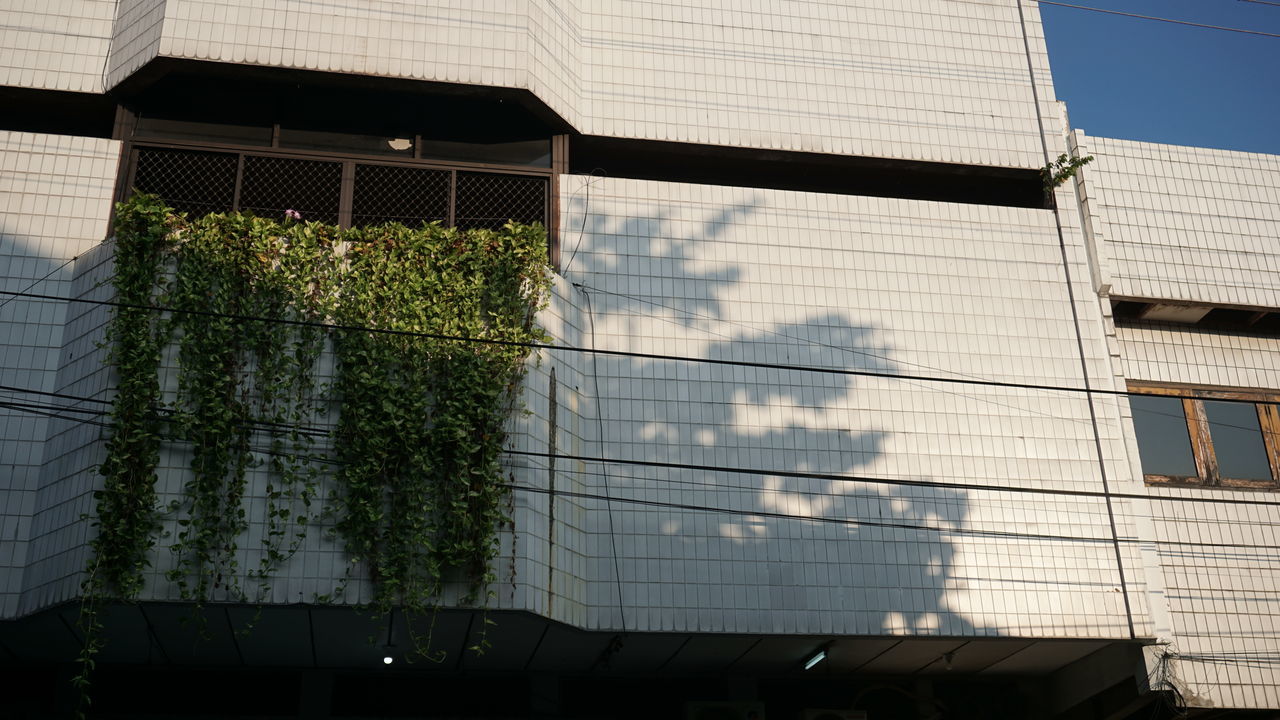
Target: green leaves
{"points": [[1062, 170], [412, 471], [430, 409]]}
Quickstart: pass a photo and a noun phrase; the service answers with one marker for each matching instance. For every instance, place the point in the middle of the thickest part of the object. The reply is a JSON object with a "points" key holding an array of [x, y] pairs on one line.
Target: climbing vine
{"points": [[425, 409], [127, 516], [245, 311], [240, 341]]}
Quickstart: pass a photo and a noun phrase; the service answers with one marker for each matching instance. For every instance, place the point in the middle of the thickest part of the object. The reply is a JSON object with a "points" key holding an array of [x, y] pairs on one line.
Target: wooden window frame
{"points": [[1267, 405]]}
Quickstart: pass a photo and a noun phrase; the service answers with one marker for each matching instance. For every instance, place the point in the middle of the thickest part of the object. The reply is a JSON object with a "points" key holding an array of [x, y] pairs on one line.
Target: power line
{"points": [[1161, 19], [326, 432], [1145, 411], [880, 524], [48, 275], [900, 482], [774, 514], [599, 413], [788, 367], [1262, 2], [813, 518], [817, 343]]}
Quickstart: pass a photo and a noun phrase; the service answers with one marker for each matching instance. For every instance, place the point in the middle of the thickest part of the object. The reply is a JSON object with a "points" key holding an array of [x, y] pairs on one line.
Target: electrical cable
{"points": [[1075, 320], [585, 205], [813, 518], [47, 275], [609, 498], [788, 367], [1161, 19], [832, 346], [731, 511], [328, 429], [327, 432], [967, 396], [595, 378]]}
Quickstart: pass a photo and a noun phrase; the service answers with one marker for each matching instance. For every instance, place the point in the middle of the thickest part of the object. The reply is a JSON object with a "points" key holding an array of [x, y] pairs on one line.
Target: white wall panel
{"points": [[55, 44], [946, 82], [136, 39], [54, 201], [863, 284], [1190, 224], [1224, 610]]}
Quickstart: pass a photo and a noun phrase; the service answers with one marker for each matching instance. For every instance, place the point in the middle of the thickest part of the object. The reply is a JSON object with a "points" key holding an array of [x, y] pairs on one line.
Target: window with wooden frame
{"points": [[1192, 435]]}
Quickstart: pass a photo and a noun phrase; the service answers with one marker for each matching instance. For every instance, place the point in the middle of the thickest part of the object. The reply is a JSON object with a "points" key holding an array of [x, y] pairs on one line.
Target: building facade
{"points": [[833, 372]]}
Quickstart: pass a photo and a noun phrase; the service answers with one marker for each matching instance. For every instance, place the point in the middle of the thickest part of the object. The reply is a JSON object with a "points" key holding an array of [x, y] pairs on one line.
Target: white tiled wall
{"points": [[938, 81], [54, 200], [1184, 223], [853, 283], [846, 283], [539, 568], [1198, 225], [136, 38], [74, 443], [921, 80], [55, 44], [865, 285], [1220, 562]]}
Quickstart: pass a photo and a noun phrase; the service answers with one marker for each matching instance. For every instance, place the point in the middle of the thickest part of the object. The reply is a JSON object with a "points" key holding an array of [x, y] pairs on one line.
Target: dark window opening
{"points": [[316, 112], [1227, 438], [409, 196], [489, 200], [1236, 433], [57, 112], [1164, 445], [205, 132], [534, 153], [196, 183], [347, 193], [356, 143], [272, 185], [1242, 320]]}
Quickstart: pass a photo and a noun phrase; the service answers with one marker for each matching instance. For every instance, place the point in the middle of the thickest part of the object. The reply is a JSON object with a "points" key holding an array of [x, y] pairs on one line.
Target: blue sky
{"points": [[1145, 80]]}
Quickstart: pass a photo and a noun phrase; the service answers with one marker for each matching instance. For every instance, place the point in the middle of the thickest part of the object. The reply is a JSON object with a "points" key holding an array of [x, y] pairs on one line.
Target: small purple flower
{"points": [[293, 214]]}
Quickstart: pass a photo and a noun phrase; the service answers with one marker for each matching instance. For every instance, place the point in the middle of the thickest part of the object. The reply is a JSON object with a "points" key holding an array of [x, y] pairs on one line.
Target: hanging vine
{"points": [[127, 517], [272, 325], [422, 415], [243, 375]]}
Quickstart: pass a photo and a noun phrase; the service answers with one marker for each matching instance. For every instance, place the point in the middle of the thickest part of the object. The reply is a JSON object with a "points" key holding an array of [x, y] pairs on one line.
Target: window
{"points": [[1207, 436], [346, 191]]}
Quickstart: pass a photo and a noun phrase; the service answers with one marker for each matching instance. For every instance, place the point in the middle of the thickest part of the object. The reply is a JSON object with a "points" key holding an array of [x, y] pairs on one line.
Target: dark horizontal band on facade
{"points": [[1203, 317], [244, 98], [806, 171], [57, 112]]}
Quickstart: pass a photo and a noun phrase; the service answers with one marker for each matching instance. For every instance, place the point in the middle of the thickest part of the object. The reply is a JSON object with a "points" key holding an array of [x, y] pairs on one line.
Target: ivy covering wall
{"points": [[364, 376]]}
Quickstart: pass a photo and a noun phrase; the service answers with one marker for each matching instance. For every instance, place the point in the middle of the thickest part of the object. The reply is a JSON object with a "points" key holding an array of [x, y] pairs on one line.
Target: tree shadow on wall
{"points": [[786, 547]]}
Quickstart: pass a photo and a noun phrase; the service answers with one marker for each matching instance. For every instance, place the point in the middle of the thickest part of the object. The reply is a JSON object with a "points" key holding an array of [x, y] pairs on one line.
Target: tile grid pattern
{"points": [[1195, 225], [54, 196], [1220, 601], [1189, 224], [890, 79], [750, 274], [55, 44]]}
